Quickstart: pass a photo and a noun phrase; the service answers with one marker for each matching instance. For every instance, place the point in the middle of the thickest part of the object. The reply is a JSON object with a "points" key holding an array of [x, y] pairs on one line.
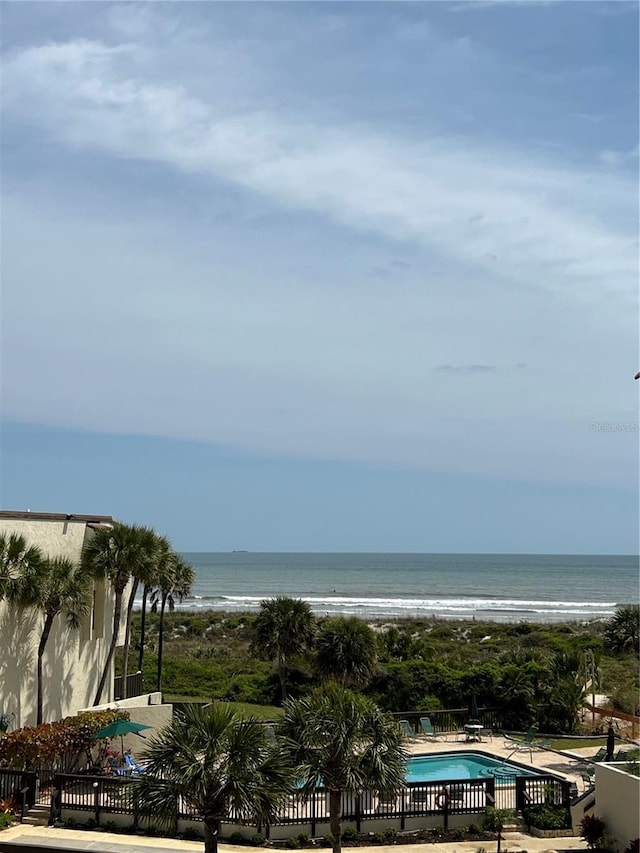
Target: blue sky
{"points": [[324, 276]]}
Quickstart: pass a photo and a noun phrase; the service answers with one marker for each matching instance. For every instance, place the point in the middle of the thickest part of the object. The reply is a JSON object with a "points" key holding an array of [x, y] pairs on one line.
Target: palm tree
{"points": [[115, 553], [219, 765], [346, 650], [19, 564], [174, 578], [62, 588], [148, 584], [284, 627], [622, 630], [144, 572], [342, 741]]}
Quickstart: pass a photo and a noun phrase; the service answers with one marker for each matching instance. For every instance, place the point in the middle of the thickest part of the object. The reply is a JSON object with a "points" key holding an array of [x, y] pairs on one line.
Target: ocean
{"points": [[497, 587]]}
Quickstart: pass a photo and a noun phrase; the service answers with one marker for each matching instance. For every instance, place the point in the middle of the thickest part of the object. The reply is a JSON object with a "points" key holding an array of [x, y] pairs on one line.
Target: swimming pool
{"points": [[462, 765]]}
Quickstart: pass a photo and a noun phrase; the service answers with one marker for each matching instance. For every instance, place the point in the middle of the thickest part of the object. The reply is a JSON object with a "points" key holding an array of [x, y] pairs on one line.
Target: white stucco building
{"points": [[73, 660]]}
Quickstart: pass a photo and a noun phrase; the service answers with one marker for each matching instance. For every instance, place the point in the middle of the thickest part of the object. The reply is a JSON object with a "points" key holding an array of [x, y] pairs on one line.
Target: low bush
{"points": [[236, 838], [64, 744], [548, 817], [192, 834], [6, 819], [258, 840]]}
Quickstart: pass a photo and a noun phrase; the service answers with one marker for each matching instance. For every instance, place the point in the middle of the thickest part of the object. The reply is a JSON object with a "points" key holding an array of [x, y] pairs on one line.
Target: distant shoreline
{"points": [[379, 620]]}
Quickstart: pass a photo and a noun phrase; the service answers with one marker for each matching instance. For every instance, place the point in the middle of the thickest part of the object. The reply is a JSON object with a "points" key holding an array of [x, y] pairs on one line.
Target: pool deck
{"points": [[566, 764]]}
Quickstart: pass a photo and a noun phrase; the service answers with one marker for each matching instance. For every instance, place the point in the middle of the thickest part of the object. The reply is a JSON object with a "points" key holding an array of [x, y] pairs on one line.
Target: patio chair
{"points": [[387, 803], [418, 797], [407, 729], [600, 755], [428, 730], [486, 733], [622, 755]]}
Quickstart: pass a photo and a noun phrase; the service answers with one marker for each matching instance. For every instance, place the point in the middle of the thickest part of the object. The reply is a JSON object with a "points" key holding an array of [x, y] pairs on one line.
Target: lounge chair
{"points": [[407, 729], [529, 741], [587, 778], [428, 730], [131, 765], [600, 755], [387, 803], [622, 755], [525, 741]]}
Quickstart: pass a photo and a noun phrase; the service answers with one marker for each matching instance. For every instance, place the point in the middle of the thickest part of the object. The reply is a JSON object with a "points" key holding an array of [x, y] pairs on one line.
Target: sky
{"points": [[319, 276]]}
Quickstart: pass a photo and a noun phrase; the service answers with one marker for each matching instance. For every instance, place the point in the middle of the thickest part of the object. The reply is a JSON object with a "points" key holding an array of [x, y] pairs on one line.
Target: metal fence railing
{"points": [[134, 685], [453, 719], [100, 796]]}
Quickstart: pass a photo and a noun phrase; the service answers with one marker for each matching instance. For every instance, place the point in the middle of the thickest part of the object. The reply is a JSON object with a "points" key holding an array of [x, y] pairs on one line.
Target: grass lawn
{"points": [[244, 709], [574, 743]]}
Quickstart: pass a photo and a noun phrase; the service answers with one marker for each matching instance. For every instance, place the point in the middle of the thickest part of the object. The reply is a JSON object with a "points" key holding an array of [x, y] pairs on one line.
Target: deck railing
{"points": [[134, 685], [453, 719], [100, 796]]}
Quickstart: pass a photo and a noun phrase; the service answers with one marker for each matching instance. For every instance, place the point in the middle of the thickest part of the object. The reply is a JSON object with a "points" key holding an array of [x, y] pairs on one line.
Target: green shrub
{"points": [[389, 833], [53, 744], [548, 817], [292, 843], [258, 839], [236, 838], [304, 838], [349, 834], [6, 820], [192, 834]]}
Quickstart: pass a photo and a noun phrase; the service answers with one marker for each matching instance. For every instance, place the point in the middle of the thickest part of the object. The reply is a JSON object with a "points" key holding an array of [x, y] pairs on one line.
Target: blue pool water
{"points": [[461, 765]]}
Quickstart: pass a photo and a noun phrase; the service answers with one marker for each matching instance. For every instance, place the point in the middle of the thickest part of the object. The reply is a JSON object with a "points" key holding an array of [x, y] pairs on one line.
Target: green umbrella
{"points": [[122, 728]]}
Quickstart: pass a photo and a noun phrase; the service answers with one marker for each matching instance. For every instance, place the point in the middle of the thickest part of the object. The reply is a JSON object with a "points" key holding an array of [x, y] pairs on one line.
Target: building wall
{"points": [[618, 802], [73, 660]]}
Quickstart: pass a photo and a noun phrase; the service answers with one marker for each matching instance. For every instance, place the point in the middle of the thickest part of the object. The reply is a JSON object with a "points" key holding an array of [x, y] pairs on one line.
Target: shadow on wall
{"points": [[18, 663], [61, 669]]}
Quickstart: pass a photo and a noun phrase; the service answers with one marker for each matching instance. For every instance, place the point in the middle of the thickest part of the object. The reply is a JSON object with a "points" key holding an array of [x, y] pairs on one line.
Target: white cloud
{"points": [[493, 209], [514, 259]]}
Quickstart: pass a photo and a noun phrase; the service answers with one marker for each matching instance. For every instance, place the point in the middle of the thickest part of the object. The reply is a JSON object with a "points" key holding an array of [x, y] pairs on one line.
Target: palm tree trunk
{"points": [[160, 642], [211, 832], [46, 630], [127, 637], [335, 820], [282, 673], [143, 624], [117, 609]]}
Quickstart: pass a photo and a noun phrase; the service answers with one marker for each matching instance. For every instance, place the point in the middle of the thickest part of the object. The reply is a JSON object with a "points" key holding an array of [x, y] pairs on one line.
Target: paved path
{"points": [[30, 839]]}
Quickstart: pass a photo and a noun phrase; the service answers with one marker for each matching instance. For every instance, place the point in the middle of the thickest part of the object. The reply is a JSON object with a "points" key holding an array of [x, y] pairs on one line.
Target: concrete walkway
{"points": [[30, 839]]}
